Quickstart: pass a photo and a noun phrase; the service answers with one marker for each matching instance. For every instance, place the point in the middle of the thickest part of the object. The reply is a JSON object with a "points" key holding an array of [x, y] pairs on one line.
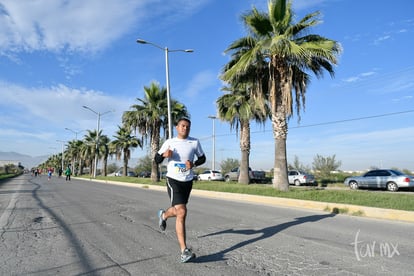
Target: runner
{"points": [[180, 152]]}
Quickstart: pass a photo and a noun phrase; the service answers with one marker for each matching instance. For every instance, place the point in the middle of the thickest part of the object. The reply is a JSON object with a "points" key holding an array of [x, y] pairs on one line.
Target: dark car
{"points": [[254, 175], [145, 174]]}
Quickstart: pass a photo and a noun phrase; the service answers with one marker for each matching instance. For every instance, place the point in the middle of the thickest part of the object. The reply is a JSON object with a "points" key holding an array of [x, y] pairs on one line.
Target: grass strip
{"points": [[369, 198]]}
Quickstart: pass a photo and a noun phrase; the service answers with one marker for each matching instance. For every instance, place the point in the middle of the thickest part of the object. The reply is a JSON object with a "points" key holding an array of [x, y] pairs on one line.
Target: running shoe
{"points": [[161, 222], [187, 255]]}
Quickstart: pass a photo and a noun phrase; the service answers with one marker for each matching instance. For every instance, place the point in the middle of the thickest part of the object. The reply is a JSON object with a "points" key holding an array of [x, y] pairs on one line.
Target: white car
{"points": [[211, 175]]}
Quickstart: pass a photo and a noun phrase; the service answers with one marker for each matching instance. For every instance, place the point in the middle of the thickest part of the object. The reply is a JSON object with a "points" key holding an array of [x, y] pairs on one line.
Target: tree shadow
{"points": [[266, 233], [84, 260]]}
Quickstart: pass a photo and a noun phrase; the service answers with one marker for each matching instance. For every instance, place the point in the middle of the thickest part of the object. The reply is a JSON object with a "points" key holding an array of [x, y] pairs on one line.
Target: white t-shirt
{"points": [[183, 150]]}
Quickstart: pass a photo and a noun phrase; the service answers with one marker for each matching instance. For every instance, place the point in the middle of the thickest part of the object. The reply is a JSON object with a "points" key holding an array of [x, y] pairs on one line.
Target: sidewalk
{"points": [[347, 209]]}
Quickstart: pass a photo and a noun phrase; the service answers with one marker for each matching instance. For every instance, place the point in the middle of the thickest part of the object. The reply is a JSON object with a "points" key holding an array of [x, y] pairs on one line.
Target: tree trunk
{"points": [[280, 179], [81, 166], [126, 157], [91, 168], [280, 100], [155, 146], [105, 166], [280, 128], [244, 177]]}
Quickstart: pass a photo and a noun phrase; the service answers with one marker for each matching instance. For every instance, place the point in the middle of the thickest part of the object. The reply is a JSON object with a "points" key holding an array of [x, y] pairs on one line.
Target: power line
{"points": [[355, 119], [328, 123]]}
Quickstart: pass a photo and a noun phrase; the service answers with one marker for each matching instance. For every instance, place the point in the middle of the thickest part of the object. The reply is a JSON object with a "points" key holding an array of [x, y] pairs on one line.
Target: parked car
{"points": [[129, 173], [145, 174], [388, 179], [299, 177], [211, 175], [255, 176]]}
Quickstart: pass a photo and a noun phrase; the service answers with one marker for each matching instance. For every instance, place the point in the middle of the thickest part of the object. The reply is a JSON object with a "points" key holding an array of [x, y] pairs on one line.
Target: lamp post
{"points": [[75, 132], [167, 77], [97, 135], [54, 148], [63, 143], [214, 142], [76, 139]]}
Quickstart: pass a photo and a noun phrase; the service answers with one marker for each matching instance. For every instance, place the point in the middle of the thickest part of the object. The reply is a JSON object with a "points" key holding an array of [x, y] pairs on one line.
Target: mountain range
{"points": [[26, 161]]}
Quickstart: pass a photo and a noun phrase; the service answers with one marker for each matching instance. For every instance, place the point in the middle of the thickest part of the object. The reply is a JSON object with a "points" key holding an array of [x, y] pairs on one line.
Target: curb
{"points": [[345, 209]]}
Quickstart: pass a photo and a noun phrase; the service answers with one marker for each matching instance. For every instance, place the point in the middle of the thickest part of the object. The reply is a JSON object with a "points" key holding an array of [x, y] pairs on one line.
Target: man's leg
{"points": [[178, 211], [181, 211]]}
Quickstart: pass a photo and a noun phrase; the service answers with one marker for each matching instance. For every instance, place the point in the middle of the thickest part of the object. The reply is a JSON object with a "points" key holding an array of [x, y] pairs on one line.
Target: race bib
{"points": [[180, 169]]}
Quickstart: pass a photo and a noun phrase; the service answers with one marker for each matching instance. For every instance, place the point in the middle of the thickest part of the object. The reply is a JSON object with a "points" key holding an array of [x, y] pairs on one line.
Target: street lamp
{"points": [[214, 142], [97, 135], [76, 139], [63, 143], [75, 132], [167, 77]]}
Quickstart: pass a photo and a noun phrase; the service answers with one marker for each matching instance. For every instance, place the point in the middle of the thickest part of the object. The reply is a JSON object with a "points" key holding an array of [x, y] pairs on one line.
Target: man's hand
{"points": [[189, 165], [168, 153]]}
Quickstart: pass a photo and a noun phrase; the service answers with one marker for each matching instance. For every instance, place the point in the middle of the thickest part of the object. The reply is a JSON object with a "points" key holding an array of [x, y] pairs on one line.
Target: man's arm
{"points": [[200, 160], [158, 158]]}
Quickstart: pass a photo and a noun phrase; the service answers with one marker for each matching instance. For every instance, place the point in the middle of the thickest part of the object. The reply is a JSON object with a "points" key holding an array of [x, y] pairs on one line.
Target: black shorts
{"points": [[178, 191]]}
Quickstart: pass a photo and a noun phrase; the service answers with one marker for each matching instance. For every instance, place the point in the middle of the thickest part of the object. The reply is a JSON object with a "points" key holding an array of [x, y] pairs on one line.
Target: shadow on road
{"points": [[266, 233], [84, 259]]}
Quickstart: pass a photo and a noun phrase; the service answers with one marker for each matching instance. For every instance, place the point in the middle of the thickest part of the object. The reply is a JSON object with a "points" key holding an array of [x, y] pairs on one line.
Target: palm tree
{"points": [[53, 161], [104, 152], [150, 115], [73, 153], [89, 151], [123, 143], [246, 101], [85, 156], [239, 108], [290, 50]]}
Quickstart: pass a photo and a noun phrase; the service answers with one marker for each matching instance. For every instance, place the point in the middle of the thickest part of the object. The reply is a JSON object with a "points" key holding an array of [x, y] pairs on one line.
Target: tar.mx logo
{"points": [[372, 249]]}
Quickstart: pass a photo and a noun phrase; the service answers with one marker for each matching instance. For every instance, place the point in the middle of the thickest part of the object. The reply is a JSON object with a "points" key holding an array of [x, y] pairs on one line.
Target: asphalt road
{"points": [[87, 228]]}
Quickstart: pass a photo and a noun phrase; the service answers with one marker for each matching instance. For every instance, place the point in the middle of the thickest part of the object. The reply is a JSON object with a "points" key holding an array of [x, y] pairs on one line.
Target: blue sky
{"points": [[58, 55]]}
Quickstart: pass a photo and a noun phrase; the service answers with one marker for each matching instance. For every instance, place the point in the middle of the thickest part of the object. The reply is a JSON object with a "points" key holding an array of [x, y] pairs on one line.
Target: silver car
{"points": [[129, 173], [391, 180], [299, 177]]}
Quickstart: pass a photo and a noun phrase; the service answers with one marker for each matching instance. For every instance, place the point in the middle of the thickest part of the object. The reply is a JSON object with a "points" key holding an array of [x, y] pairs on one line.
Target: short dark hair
{"points": [[184, 119]]}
